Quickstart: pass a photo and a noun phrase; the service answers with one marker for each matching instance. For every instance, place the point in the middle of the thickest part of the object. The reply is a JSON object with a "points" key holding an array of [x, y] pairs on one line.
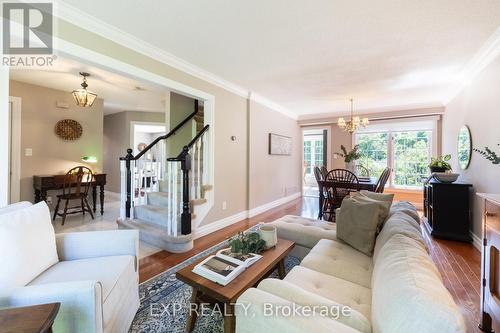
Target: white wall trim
{"points": [[476, 241], [225, 222], [485, 56], [217, 225], [78, 17], [263, 208], [4, 137], [15, 150]]}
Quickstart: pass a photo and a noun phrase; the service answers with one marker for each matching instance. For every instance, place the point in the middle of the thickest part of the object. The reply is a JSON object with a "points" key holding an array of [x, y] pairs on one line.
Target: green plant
{"points": [[489, 154], [441, 162], [246, 243], [353, 155]]}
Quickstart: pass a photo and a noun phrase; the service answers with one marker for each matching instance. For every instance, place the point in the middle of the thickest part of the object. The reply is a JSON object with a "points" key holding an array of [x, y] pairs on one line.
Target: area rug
{"points": [[165, 301]]}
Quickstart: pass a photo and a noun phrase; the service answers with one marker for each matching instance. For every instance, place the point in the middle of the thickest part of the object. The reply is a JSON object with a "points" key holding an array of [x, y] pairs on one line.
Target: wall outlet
{"points": [[28, 152], [224, 205]]}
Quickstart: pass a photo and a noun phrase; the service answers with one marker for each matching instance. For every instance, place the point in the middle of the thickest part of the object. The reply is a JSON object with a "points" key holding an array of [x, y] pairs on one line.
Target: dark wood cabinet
{"points": [[447, 210]]}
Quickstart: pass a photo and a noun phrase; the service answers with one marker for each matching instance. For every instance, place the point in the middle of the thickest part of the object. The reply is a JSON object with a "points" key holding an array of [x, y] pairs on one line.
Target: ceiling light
{"points": [[82, 96], [353, 123]]}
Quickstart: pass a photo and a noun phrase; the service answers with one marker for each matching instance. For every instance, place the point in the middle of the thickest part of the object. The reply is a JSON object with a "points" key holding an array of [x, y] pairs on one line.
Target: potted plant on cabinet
{"points": [[440, 164]]}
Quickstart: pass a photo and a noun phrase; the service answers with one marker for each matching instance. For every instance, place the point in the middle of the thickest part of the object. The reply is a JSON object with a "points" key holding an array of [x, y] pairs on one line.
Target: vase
{"points": [[268, 234], [351, 166]]}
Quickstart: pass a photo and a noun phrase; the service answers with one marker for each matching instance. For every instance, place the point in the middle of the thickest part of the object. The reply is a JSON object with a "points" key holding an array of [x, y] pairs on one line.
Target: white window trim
{"points": [[430, 123]]}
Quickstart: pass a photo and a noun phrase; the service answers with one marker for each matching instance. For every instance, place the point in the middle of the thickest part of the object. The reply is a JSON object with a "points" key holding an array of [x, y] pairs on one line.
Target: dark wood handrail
{"points": [[166, 136], [189, 145]]}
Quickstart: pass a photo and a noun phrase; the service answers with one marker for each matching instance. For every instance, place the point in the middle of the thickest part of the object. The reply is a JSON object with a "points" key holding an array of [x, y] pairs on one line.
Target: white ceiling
{"points": [[311, 56], [118, 92]]}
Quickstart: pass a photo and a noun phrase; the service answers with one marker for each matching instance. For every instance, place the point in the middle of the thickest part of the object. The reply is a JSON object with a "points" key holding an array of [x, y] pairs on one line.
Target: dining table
{"points": [[365, 183]]}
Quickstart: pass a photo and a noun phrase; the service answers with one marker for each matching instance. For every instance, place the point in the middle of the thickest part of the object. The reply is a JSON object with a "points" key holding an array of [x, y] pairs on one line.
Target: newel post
{"points": [[186, 206], [128, 203]]}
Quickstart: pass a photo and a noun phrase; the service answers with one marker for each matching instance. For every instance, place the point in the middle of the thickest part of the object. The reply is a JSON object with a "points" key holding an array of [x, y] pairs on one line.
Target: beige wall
{"points": [[231, 157], [117, 140], [272, 177], [52, 155], [478, 107], [180, 107]]}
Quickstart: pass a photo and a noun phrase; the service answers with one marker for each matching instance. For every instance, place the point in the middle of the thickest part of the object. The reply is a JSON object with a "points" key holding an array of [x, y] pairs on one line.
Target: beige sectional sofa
{"points": [[398, 289]]}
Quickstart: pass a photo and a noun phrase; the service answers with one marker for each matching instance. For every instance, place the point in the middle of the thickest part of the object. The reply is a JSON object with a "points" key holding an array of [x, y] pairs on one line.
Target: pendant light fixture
{"points": [[82, 96], [353, 123]]}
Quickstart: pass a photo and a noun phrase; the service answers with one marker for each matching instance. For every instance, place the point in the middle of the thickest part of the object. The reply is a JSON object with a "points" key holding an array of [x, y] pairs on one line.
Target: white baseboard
{"points": [[214, 226], [476, 241], [225, 222], [264, 208]]}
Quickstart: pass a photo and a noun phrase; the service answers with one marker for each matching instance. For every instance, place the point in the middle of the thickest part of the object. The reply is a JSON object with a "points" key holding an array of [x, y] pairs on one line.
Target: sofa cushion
{"points": [[27, 245], [406, 208], [398, 223], [304, 297], [116, 274], [304, 231], [340, 260], [408, 294], [338, 290], [357, 224]]}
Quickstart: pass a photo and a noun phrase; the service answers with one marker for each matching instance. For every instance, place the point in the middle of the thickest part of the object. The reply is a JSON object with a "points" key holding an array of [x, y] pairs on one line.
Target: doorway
{"points": [[315, 154]]}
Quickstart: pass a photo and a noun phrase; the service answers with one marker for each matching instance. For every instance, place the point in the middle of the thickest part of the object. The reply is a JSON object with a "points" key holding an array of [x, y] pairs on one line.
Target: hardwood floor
{"points": [[459, 263]]}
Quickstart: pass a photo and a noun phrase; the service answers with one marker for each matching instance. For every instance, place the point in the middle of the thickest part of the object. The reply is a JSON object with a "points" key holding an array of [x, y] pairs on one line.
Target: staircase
{"points": [[163, 206]]}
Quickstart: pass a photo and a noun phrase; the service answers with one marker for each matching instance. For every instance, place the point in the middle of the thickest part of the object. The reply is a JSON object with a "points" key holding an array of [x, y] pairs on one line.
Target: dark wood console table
{"points": [[447, 210], [42, 184], [36, 318]]}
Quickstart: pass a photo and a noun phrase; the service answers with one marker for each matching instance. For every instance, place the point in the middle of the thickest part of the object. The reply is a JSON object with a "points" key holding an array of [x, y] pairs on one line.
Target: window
{"points": [[307, 156], [412, 154], [405, 147]]}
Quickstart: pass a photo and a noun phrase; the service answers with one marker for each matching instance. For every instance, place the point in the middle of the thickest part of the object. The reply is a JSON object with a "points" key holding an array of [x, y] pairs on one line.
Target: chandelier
{"points": [[82, 96], [353, 123]]}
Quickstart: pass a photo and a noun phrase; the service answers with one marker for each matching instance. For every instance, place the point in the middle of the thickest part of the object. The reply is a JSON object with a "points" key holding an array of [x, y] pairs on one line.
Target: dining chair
{"points": [[318, 174], [75, 185], [382, 180], [338, 184], [362, 171], [324, 171]]}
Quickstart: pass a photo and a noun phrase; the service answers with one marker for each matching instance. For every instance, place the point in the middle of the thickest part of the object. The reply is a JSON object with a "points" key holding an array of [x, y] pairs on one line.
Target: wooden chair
{"points": [[338, 184], [318, 174], [324, 171], [362, 171], [382, 180], [75, 186]]}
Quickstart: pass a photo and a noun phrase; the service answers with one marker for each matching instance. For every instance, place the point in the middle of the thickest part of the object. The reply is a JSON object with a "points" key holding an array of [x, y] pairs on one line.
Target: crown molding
{"points": [[485, 56], [370, 111], [272, 105], [80, 18]]}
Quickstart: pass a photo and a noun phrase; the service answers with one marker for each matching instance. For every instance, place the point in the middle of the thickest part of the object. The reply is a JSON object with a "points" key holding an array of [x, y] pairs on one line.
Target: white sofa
{"points": [[94, 275], [397, 290]]}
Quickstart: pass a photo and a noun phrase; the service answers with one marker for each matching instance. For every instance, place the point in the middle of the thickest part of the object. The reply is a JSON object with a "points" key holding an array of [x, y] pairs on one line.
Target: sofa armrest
{"points": [[94, 244], [257, 311], [81, 303]]}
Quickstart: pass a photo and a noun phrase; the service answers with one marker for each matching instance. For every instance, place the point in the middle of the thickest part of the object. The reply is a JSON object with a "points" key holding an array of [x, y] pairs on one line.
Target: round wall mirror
{"points": [[464, 147]]}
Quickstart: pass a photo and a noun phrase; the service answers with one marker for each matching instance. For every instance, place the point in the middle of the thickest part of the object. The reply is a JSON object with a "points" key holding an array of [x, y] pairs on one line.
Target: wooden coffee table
{"points": [[206, 291], [29, 319]]}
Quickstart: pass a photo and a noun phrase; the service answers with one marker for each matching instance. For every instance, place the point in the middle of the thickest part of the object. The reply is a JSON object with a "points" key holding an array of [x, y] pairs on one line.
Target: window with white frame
{"points": [[405, 146]]}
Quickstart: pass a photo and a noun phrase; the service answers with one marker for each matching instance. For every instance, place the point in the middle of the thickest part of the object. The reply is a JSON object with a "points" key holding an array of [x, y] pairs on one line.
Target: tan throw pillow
{"points": [[357, 224], [378, 196], [385, 207]]}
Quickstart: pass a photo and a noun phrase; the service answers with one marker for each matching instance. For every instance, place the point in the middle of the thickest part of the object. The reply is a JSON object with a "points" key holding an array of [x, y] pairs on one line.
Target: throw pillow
{"points": [[378, 196], [385, 207], [357, 224], [27, 246]]}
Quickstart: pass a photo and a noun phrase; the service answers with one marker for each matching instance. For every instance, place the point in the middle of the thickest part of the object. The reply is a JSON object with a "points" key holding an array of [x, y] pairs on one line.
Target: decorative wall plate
{"points": [[68, 129]]}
